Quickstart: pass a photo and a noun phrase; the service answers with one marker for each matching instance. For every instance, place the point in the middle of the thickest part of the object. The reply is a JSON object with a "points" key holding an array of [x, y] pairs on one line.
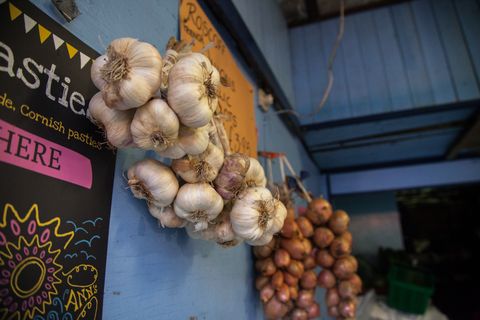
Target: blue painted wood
{"points": [[373, 63], [436, 62], [394, 68], [427, 175], [458, 56], [300, 72], [412, 54]]}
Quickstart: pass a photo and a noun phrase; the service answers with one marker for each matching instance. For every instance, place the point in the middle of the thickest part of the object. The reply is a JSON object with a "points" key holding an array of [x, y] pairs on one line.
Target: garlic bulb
{"points": [[263, 240], [131, 73], [201, 168], [95, 71], [193, 140], [256, 213], [151, 180], [154, 126], [198, 203], [224, 234], [174, 50], [193, 90], [255, 176], [231, 178], [115, 123], [166, 217], [172, 152]]}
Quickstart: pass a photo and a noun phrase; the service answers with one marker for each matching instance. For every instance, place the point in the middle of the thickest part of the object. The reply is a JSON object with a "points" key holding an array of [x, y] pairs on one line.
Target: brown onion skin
{"points": [[356, 281], [346, 289], [319, 211], [265, 251], [289, 229], [331, 297], [308, 280], [290, 213], [333, 311], [277, 279], [313, 311], [299, 314], [323, 237], [295, 247], [340, 248], [290, 280], [283, 293], [305, 298], [339, 222], [295, 268], [282, 258], [305, 226], [324, 259], [347, 308], [274, 309], [344, 268], [309, 262], [267, 293], [266, 266], [347, 236], [293, 292], [307, 245], [326, 279], [261, 281]]}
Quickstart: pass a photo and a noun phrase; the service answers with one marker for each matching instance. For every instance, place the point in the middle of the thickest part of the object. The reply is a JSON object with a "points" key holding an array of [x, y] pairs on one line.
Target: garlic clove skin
{"points": [[200, 168], [193, 141], [151, 180], [263, 240], [95, 71], [154, 126], [172, 152], [255, 176], [198, 203], [167, 217], [115, 123], [193, 86]]}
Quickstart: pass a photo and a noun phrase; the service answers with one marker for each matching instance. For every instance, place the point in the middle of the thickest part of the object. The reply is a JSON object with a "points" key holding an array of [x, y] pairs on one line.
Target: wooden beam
{"points": [[469, 139]]}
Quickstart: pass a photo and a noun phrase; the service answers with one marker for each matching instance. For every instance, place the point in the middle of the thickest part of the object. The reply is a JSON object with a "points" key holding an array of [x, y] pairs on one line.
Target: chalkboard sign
{"points": [[56, 172]]}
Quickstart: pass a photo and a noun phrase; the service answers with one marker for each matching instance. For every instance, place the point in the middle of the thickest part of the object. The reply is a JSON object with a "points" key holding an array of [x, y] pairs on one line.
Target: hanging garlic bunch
{"points": [[166, 217], [263, 240], [256, 214], [174, 50], [193, 90], [193, 140], [231, 179], [151, 180], [128, 74], [255, 176], [115, 123], [198, 203], [201, 168], [154, 126], [223, 230]]}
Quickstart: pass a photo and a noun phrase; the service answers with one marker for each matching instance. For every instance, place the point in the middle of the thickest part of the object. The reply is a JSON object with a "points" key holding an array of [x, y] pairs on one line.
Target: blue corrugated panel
{"points": [[300, 73]]}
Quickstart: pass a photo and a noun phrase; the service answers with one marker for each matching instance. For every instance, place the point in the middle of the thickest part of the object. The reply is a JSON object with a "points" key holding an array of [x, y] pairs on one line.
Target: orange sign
{"points": [[236, 101]]}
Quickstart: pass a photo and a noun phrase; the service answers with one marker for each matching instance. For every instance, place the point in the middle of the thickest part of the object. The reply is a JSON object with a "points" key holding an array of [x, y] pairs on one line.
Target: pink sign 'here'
{"points": [[26, 150]]}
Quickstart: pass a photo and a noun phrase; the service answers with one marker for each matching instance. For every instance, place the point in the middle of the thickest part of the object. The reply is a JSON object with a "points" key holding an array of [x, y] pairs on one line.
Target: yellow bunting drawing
{"points": [[72, 51], [43, 33], [14, 11]]}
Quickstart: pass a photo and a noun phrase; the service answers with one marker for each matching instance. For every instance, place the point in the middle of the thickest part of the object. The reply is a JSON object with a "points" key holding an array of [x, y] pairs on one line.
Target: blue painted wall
{"points": [[155, 273], [414, 54]]}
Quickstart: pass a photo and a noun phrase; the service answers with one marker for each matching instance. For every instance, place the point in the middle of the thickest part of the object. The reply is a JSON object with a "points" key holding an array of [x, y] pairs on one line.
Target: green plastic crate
{"points": [[409, 289]]}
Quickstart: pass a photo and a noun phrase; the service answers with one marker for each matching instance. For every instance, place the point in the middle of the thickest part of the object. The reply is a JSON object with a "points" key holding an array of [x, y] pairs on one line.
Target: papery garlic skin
{"points": [[172, 152], [166, 217], [256, 213], [201, 168], [193, 85], [198, 203], [151, 180], [131, 73], [154, 126], [231, 179], [115, 123], [207, 234], [263, 240], [255, 176], [95, 71], [193, 141]]}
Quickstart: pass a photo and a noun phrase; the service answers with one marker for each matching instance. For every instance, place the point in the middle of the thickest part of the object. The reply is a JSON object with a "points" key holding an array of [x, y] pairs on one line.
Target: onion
{"points": [[261, 281], [266, 266], [319, 211], [331, 297], [295, 247], [267, 293], [333, 311], [308, 280], [305, 226], [309, 262], [324, 259], [323, 237], [264, 251], [295, 268], [289, 229], [290, 280], [277, 279], [307, 245], [356, 281], [347, 308], [347, 235], [275, 309], [313, 311], [340, 247], [283, 293], [339, 221], [299, 314], [293, 292], [326, 279], [344, 268], [282, 258], [305, 298], [346, 289], [290, 213]]}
